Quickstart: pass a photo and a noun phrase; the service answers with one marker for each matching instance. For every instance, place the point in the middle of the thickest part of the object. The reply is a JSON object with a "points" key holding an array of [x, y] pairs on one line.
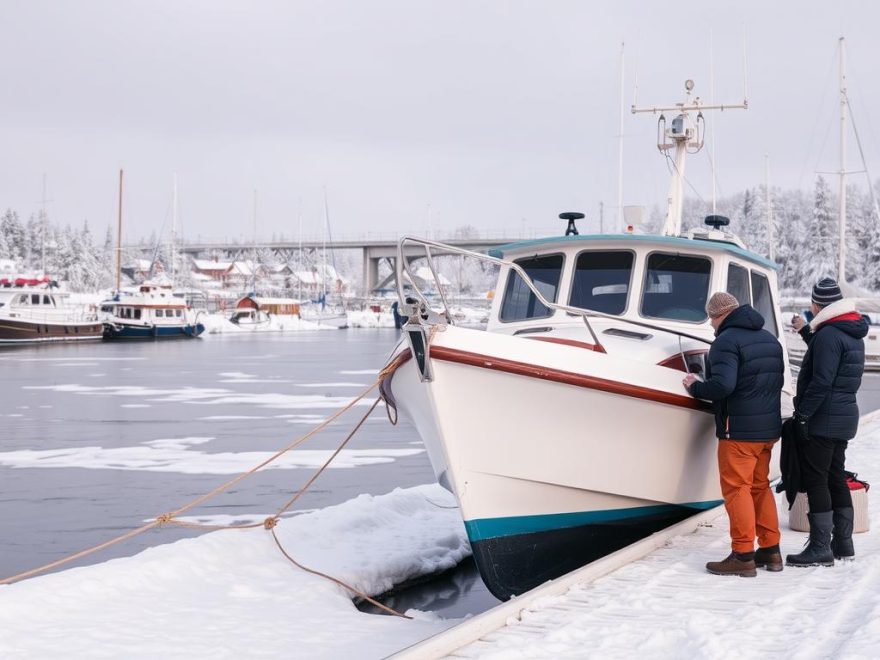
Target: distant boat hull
{"points": [[19, 331], [114, 331]]}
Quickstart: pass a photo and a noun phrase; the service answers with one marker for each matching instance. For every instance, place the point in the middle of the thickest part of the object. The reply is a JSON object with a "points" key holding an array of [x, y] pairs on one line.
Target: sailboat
{"points": [[563, 429], [152, 311], [866, 302], [323, 310]]}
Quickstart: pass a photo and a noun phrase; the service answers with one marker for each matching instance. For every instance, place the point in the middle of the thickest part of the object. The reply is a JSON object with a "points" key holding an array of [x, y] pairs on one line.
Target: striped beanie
{"points": [[721, 303], [826, 292]]}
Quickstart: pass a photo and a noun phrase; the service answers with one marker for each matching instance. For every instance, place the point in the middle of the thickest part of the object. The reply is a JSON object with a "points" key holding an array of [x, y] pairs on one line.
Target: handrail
{"points": [[402, 268]]}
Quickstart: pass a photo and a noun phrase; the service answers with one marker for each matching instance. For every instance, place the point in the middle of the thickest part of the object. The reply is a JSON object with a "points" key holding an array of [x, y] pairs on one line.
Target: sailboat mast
{"points": [[771, 251], [254, 249], [119, 239], [620, 144], [841, 247], [174, 228]]}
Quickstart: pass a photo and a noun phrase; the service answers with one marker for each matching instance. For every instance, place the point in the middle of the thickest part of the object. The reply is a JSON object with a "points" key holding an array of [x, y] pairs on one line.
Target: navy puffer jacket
{"points": [[744, 378], [831, 372]]}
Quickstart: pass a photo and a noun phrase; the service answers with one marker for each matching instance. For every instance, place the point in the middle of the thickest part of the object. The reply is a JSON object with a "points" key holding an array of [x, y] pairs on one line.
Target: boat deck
{"points": [[654, 598]]}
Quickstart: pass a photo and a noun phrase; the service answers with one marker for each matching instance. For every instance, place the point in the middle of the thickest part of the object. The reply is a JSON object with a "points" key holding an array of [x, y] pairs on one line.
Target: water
{"points": [[247, 393]]}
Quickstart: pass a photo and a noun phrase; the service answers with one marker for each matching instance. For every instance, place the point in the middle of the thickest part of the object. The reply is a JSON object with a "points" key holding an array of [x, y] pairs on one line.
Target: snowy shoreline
{"points": [[232, 593]]}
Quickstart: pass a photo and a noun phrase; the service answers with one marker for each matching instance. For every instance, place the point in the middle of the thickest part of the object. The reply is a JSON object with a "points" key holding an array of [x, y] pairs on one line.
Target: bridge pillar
{"points": [[371, 271]]}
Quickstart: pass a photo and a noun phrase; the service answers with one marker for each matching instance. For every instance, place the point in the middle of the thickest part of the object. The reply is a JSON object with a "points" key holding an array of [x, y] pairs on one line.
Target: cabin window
{"points": [[601, 281], [676, 287], [137, 313], [160, 313], [519, 301], [764, 301], [738, 284], [35, 299], [178, 313], [23, 300], [47, 300]]}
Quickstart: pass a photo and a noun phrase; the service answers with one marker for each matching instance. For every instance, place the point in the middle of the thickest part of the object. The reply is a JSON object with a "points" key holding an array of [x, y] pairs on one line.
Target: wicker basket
{"points": [[797, 514]]}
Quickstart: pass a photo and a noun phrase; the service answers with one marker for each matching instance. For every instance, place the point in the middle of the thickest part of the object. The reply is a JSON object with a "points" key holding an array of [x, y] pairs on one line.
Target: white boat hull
{"points": [[558, 455]]}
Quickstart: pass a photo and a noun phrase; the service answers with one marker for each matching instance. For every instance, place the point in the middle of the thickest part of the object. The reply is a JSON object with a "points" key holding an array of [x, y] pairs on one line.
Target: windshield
{"points": [[676, 287], [519, 301], [601, 281]]}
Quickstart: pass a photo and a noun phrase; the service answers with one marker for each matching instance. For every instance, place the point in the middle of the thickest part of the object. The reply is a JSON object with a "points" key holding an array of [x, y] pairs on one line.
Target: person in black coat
{"points": [[744, 378], [826, 417]]}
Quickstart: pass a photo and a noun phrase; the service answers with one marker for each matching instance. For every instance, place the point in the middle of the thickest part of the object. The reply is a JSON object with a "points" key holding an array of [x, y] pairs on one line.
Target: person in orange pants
{"points": [[745, 486], [744, 378]]}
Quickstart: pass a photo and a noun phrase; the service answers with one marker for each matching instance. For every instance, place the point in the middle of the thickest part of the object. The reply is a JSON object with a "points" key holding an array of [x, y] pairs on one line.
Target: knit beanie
{"points": [[721, 303], [826, 292]]}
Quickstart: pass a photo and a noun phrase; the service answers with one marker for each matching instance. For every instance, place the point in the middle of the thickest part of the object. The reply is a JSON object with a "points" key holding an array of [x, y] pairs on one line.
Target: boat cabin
{"points": [[283, 306], [657, 282]]}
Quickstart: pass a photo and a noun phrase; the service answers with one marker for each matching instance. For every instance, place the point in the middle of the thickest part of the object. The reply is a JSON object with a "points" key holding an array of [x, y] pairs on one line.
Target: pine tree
{"points": [[822, 250]]}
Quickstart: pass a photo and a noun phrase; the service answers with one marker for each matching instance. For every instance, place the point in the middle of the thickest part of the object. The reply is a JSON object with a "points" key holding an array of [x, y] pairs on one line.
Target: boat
{"points": [[34, 314], [253, 312], [563, 429], [151, 312], [866, 302]]}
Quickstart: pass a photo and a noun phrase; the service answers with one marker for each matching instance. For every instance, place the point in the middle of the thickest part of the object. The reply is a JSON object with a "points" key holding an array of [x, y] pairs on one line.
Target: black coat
{"points": [[830, 376], [744, 378]]}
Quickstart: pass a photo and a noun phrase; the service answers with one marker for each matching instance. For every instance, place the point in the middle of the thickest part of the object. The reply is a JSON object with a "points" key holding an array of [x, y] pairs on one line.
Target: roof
{"points": [[670, 241], [207, 264]]}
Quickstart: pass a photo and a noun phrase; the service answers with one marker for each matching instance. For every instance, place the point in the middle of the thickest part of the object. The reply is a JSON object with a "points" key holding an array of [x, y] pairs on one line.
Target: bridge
{"points": [[373, 249]]}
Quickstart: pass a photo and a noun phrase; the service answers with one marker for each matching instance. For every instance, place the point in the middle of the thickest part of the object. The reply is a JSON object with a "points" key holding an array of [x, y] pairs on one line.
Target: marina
{"points": [[599, 304]]}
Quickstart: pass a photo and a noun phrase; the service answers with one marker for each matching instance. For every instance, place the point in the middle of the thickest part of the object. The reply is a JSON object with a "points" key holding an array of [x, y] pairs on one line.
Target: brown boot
{"points": [[741, 564], [769, 558]]}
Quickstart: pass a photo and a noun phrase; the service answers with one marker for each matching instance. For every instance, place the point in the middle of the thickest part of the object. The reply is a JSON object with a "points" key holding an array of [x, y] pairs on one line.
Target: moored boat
{"points": [[31, 315], [153, 312], [564, 429]]}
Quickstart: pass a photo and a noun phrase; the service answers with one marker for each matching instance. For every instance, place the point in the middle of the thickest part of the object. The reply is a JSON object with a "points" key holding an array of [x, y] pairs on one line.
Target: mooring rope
{"points": [[269, 523]]}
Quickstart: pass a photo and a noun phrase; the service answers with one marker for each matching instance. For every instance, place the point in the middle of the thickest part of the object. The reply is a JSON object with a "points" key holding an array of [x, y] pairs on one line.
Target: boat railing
{"points": [[58, 315], [411, 310]]}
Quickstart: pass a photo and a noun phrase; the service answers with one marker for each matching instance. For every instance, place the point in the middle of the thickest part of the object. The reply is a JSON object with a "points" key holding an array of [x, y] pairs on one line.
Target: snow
{"points": [[219, 323], [667, 606], [369, 319], [207, 396], [177, 455], [231, 594]]}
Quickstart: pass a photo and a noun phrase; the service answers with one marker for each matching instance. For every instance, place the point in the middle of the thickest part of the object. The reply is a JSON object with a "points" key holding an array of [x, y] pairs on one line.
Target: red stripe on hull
{"points": [[557, 376]]}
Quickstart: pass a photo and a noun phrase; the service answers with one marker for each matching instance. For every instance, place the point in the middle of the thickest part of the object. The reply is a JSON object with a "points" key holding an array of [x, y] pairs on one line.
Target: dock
{"points": [[655, 598]]}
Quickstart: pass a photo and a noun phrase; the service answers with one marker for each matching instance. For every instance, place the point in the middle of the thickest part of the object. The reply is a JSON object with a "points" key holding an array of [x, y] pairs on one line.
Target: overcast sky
{"points": [[494, 114]]}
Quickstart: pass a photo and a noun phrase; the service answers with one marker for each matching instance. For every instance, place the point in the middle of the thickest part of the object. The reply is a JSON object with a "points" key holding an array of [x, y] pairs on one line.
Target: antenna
{"points": [[684, 135]]}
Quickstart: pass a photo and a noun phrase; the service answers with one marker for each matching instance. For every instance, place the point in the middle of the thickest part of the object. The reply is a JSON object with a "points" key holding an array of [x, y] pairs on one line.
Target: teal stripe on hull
{"points": [[488, 528]]}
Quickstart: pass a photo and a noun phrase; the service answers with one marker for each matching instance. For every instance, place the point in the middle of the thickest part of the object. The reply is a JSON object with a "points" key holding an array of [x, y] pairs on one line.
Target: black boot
{"points": [[818, 550], [841, 541]]}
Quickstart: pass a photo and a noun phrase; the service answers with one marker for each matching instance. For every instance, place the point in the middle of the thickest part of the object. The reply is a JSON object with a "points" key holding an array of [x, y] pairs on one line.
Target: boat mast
{"points": [[43, 228], [685, 135], [620, 145], [771, 252], [119, 239], [254, 249], [174, 229], [841, 214]]}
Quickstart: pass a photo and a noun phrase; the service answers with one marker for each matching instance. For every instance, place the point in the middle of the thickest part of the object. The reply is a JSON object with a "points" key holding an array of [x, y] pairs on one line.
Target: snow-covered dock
{"points": [[664, 605]]}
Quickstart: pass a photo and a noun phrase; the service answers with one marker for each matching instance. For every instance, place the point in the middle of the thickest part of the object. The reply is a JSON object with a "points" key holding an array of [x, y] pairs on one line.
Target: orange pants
{"points": [[745, 485]]}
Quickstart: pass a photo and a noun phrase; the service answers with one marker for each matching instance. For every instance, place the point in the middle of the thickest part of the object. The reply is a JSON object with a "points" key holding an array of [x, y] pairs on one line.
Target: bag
{"points": [[854, 483], [797, 514]]}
